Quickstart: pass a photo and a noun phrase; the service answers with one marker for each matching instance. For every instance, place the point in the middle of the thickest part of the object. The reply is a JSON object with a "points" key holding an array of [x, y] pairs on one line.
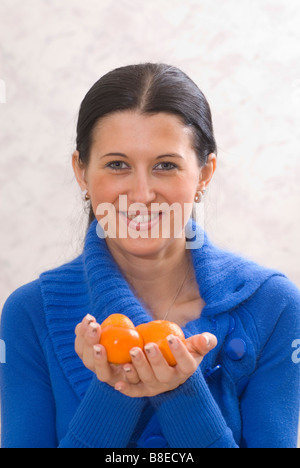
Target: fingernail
{"points": [[93, 328], [98, 350], [207, 338], [127, 369], [87, 320], [135, 353], [118, 386], [172, 340], [150, 349]]}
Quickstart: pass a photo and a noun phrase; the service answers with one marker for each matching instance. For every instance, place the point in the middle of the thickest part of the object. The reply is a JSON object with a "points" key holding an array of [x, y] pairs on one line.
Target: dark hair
{"points": [[149, 88]]}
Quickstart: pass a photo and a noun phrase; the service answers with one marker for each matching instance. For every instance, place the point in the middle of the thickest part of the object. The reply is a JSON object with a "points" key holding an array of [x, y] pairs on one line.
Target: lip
{"points": [[141, 226], [141, 213]]}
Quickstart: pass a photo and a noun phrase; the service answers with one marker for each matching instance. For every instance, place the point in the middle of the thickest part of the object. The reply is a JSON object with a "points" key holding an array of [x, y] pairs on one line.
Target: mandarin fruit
{"points": [[157, 332], [119, 336], [118, 320]]}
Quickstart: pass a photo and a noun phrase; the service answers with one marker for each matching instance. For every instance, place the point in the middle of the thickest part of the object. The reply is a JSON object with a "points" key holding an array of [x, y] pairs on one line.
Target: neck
{"points": [[155, 279]]}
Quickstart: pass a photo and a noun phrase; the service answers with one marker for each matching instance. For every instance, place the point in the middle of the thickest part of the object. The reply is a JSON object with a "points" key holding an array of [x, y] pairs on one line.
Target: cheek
{"points": [[102, 189], [181, 197], [185, 193], [185, 189], [100, 192]]}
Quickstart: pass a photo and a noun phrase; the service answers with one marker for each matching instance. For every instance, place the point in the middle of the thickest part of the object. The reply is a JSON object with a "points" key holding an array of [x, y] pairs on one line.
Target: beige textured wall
{"points": [[244, 55]]}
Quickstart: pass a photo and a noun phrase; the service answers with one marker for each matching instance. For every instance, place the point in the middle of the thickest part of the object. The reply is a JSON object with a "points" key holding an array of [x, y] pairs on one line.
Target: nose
{"points": [[141, 189]]}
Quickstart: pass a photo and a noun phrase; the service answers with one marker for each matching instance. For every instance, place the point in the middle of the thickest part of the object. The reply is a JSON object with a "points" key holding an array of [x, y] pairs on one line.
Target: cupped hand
{"points": [[93, 355], [149, 374], [154, 373]]}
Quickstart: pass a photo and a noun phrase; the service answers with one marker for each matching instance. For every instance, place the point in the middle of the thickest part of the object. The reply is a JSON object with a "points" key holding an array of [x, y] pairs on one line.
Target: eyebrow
{"points": [[167, 155]]}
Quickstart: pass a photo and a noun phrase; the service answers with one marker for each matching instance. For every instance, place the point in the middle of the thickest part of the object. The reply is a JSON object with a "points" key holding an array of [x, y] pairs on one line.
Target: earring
{"points": [[199, 196], [85, 195]]}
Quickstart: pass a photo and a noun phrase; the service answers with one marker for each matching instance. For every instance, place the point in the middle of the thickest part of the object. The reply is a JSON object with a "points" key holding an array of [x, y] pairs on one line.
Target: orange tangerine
{"points": [[118, 320], [119, 336], [157, 332]]}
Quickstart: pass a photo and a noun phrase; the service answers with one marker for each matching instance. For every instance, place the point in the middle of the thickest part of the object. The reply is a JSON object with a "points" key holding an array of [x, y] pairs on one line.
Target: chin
{"points": [[143, 248]]}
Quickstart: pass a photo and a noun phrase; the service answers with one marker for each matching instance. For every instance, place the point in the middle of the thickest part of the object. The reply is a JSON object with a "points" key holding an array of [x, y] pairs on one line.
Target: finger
{"points": [[82, 326], [186, 363], [161, 369], [102, 367], [79, 341], [79, 344], [91, 338], [80, 331], [88, 319], [201, 344], [131, 390], [142, 366], [131, 374], [92, 334]]}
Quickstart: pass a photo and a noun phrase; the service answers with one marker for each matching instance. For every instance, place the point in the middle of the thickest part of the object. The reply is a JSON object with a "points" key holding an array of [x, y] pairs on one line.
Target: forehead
{"points": [[132, 130]]}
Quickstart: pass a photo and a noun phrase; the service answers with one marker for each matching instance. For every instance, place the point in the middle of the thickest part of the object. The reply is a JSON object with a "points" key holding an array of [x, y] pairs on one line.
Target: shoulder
{"points": [[22, 326], [29, 296], [69, 273], [279, 294], [24, 309], [276, 307], [26, 298], [227, 279], [280, 286]]}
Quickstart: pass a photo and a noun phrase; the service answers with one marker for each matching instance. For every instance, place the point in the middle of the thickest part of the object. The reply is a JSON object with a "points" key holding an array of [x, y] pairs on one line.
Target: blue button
{"points": [[236, 349], [155, 441]]}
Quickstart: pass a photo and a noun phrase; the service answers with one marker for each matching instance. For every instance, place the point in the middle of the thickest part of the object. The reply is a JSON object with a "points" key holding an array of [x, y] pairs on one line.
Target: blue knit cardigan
{"points": [[244, 394]]}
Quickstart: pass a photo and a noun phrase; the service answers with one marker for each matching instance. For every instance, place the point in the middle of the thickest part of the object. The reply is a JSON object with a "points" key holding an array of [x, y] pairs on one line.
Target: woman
{"points": [[145, 144]]}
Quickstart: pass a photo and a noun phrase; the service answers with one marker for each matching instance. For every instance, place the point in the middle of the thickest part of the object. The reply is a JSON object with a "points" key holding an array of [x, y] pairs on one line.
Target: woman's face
{"points": [[150, 161]]}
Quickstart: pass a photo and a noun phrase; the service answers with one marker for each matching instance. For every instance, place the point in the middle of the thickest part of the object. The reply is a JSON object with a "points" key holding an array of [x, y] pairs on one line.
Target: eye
{"points": [[166, 166], [117, 165]]}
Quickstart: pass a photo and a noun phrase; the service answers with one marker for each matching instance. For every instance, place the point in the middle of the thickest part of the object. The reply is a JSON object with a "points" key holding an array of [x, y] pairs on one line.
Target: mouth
{"points": [[141, 221]]}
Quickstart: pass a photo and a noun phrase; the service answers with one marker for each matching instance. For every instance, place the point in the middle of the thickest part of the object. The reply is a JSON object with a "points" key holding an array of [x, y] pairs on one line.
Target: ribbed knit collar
{"points": [[225, 280], [93, 283], [110, 292]]}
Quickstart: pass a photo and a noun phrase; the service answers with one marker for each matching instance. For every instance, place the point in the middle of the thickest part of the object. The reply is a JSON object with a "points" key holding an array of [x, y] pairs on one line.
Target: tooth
{"points": [[142, 218]]}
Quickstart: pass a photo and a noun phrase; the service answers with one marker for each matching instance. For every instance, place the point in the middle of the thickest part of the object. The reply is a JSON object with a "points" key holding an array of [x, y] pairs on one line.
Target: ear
{"points": [[79, 170], [207, 172]]}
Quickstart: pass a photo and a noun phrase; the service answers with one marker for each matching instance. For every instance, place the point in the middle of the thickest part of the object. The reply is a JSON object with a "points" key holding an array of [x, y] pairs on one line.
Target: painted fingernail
{"points": [[98, 350], [135, 353], [93, 328], [87, 320], [150, 349], [172, 340], [207, 338]]}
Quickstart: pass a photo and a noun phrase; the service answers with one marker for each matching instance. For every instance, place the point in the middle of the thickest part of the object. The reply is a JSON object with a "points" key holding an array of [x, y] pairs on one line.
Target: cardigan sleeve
{"points": [[104, 417], [27, 403], [270, 401], [190, 417]]}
